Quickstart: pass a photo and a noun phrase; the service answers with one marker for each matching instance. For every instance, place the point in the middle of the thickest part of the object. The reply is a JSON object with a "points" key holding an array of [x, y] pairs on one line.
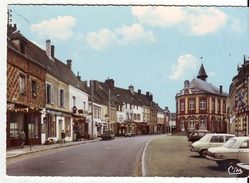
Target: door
{"points": [[243, 152]]}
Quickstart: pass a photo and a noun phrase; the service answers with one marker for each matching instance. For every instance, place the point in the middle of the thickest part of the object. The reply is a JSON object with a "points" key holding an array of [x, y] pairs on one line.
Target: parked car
{"points": [[189, 131], [107, 135], [197, 135], [130, 134], [209, 140], [244, 167], [235, 150]]}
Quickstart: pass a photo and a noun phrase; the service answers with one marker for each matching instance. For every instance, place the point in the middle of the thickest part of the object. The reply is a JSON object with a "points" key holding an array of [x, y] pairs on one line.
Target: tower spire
{"points": [[202, 73]]}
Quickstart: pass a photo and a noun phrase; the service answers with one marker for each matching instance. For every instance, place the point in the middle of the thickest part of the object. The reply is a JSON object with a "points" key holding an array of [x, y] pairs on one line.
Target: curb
{"points": [[54, 147]]}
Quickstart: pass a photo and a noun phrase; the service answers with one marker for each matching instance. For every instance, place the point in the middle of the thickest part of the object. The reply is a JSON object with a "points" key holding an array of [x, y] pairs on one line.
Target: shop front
{"points": [[22, 117], [80, 128]]}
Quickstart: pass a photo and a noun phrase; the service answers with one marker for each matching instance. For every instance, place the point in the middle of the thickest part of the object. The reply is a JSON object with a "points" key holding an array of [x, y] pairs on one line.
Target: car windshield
{"points": [[229, 143], [205, 138]]}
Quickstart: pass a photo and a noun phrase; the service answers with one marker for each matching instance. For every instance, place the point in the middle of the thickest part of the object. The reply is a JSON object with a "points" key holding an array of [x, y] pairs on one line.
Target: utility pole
{"points": [[92, 104], [109, 107]]}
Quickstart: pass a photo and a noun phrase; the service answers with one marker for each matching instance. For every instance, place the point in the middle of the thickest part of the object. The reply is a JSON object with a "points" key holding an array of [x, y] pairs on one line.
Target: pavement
{"points": [[18, 151]]}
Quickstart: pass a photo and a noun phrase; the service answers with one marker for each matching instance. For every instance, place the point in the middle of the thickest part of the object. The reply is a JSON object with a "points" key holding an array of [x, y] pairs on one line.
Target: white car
{"points": [[235, 150], [209, 140]]}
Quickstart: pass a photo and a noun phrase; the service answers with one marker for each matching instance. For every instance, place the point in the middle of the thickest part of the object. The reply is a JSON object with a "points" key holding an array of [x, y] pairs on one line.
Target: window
{"points": [[191, 104], [49, 94], [191, 123], [16, 124], [84, 105], [74, 101], [61, 97], [213, 105], [224, 106], [202, 104], [217, 139], [182, 106], [218, 106], [202, 123], [22, 84], [33, 127], [34, 89]]}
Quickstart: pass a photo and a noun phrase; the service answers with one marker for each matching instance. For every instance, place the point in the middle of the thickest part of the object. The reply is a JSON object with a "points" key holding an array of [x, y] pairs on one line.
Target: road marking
{"points": [[143, 163]]}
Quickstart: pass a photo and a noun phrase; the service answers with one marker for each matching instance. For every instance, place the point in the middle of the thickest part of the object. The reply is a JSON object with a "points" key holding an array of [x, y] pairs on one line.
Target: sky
{"points": [[153, 48]]}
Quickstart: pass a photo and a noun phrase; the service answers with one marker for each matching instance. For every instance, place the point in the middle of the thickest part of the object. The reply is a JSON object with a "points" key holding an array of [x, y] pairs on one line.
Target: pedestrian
{"points": [[62, 136], [78, 135], [22, 138]]}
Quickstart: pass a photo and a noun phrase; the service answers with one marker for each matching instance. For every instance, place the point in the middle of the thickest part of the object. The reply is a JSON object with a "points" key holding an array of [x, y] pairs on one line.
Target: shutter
{"points": [[59, 97], [52, 94], [46, 93], [64, 98]]}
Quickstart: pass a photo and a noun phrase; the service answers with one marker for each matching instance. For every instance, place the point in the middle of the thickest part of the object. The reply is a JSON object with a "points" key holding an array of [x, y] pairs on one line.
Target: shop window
{"points": [[33, 126], [16, 124]]}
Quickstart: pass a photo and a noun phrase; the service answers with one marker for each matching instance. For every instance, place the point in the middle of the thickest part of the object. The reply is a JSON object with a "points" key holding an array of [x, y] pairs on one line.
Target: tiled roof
{"points": [[206, 87], [54, 67]]}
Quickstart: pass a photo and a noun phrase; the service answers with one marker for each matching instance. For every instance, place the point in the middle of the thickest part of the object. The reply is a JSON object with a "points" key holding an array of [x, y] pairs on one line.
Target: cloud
{"points": [[133, 33], [101, 40], [192, 21], [237, 26], [106, 38], [60, 28], [186, 64]]}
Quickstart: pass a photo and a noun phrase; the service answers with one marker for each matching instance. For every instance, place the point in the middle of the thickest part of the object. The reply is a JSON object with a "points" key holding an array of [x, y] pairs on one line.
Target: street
{"points": [[166, 156], [117, 157]]}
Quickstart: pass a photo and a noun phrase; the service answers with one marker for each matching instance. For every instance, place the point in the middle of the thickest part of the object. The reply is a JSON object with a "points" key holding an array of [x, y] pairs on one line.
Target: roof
{"points": [[202, 73], [203, 86], [54, 67]]}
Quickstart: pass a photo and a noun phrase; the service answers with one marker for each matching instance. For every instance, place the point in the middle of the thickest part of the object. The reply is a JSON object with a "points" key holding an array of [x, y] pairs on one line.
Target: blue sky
{"points": [[153, 48]]}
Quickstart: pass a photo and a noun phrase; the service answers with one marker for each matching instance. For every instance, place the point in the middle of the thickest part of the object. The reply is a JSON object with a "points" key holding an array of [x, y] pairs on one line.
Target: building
{"points": [[237, 103], [25, 90], [201, 105]]}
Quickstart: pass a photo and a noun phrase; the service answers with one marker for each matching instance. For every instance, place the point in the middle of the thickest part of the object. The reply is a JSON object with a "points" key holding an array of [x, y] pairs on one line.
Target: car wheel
{"points": [[221, 163], [203, 153]]}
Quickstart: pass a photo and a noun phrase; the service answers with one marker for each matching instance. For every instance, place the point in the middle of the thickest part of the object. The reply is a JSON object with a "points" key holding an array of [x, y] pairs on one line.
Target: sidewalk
{"points": [[17, 151]]}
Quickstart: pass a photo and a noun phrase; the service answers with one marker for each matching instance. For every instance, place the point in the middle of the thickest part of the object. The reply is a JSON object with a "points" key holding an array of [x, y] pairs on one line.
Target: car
{"points": [[107, 135], [189, 131], [243, 169], [130, 134], [197, 135], [209, 140], [235, 150]]}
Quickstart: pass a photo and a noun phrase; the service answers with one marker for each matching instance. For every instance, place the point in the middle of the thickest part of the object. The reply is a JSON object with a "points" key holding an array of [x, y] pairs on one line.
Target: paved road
{"points": [[117, 157]]}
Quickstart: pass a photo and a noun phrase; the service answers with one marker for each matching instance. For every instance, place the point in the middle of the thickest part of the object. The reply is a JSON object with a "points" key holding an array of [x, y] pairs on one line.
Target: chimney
{"points": [[166, 109], [110, 83], [52, 51], [69, 64], [48, 48], [139, 91], [131, 88], [221, 89], [79, 77], [84, 84]]}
